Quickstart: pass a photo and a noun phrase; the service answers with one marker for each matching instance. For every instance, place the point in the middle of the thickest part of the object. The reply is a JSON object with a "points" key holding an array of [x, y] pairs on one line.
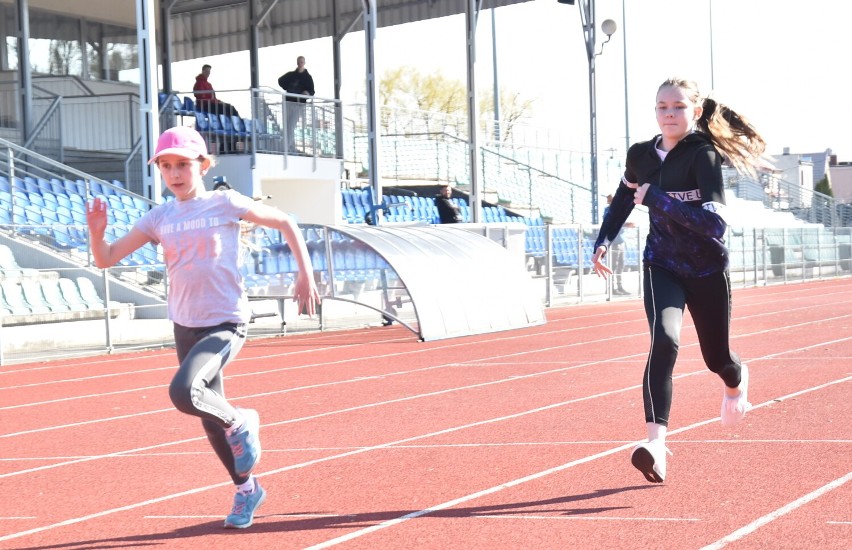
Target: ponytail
{"points": [[732, 135]]}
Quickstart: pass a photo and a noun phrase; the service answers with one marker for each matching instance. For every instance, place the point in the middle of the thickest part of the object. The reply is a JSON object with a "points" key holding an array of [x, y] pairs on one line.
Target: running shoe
{"points": [[735, 408], [650, 459], [245, 443], [245, 505]]}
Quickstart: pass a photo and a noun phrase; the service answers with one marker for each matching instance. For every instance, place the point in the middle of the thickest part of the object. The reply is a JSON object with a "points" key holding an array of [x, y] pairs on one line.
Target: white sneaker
{"points": [[734, 408], [650, 459]]}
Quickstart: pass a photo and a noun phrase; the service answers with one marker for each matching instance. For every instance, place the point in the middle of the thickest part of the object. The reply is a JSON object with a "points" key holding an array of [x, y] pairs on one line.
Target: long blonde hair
{"points": [[733, 135]]}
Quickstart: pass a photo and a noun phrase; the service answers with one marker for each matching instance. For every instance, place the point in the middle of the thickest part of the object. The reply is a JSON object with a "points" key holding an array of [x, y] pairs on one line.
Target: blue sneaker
{"points": [[245, 443], [245, 505]]}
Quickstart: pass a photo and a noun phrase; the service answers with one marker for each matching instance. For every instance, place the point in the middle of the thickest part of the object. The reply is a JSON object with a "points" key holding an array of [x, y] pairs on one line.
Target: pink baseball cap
{"points": [[182, 141]]}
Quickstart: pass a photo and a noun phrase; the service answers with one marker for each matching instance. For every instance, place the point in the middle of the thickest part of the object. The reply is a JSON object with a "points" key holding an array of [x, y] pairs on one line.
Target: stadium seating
{"points": [[9, 267], [72, 296]]}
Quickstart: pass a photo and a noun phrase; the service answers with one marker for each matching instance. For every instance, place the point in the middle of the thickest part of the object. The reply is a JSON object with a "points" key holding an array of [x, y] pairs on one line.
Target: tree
{"points": [[824, 187], [64, 57], [415, 97], [513, 108]]}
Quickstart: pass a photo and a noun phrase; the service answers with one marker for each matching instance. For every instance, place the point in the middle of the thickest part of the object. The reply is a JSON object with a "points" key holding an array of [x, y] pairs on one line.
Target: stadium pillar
{"points": [[472, 14], [148, 109], [370, 24]]}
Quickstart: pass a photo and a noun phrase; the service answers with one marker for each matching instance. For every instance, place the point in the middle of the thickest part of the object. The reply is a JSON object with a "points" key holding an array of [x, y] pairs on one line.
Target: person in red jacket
{"points": [[205, 96]]}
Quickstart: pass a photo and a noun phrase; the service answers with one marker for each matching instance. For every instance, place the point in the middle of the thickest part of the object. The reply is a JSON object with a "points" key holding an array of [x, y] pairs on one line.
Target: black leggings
{"points": [[709, 302], [198, 386]]}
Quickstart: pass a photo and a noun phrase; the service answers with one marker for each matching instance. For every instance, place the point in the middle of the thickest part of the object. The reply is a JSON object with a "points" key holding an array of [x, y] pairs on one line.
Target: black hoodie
{"points": [[684, 200]]}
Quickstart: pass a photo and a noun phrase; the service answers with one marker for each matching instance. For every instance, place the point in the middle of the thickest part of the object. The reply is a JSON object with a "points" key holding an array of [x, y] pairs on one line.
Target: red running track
{"points": [[509, 440]]}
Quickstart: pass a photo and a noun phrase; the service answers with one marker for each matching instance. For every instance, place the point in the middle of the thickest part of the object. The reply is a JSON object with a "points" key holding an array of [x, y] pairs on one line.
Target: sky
{"points": [[780, 63]]}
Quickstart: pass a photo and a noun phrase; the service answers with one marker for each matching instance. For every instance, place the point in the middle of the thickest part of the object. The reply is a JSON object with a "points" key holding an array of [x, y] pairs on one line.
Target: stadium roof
{"points": [[202, 28]]}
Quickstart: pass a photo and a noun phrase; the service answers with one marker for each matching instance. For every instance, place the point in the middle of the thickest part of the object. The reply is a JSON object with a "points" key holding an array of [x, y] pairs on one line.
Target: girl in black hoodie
{"points": [[678, 177]]}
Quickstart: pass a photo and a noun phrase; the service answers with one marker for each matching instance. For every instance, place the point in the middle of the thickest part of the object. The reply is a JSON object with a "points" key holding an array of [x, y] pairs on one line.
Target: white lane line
{"points": [[256, 517], [512, 378], [381, 446], [461, 500], [72, 521], [355, 534], [336, 412], [477, 445], [370, 358], [582, 518], [760, 522]]}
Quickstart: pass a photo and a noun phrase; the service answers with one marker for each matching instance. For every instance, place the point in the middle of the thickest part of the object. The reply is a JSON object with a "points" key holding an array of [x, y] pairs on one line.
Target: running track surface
{"points": [[510, 440]]}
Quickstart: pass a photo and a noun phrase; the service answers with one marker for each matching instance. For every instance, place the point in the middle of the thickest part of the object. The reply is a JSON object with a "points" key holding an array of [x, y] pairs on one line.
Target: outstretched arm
{"points": [[306, 294], [104, 253]]}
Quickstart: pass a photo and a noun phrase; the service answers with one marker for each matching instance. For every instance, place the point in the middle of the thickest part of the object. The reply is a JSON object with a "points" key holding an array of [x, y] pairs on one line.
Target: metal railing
{"points": [[558, 258]]}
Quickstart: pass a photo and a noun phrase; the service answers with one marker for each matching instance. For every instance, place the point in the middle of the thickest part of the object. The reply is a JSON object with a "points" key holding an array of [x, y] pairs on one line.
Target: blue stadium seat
{"points": [[239, 126], [188, 106], [57, 187], [31, 185], [63, 200], [202, 123], [36, 199], [177, 105]]}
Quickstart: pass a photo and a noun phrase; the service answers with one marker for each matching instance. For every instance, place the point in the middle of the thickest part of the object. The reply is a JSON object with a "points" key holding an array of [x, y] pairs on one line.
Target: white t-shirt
{"points": [[201, 246]]}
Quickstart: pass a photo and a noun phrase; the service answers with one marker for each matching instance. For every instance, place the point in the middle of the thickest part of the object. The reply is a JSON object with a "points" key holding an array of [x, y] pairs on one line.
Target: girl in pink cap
{"points": [[199, 232]]}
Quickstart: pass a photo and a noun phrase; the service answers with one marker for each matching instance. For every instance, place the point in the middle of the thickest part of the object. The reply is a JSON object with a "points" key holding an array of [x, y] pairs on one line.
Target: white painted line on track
{"points": [[389, 444], [497, 488], [583, 518], [256, 517], [760, 522]]}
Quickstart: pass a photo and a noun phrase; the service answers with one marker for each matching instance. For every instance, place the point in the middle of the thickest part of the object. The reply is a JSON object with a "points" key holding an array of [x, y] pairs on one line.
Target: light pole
{"points": [[608, 27], [626, 106], [587, 19]]}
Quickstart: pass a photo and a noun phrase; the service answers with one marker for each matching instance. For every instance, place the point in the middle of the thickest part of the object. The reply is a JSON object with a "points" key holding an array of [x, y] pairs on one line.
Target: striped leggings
{"points": [[198, 387]]}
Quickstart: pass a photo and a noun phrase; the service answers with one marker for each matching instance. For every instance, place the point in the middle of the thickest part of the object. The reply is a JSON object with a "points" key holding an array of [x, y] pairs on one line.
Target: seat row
{"points": [[31, 296], [57, 186]]}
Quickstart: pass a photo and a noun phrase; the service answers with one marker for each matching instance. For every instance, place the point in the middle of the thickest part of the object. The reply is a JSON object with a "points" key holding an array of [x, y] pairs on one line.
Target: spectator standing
{"points": [[298, 83], [205, 96], [677, 175], [200, 234], [447, 211], [616, 255]]}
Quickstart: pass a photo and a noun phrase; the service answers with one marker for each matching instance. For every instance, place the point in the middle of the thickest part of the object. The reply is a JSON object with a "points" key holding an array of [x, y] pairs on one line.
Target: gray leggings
{"points": [[198, 386], [709, 302]]}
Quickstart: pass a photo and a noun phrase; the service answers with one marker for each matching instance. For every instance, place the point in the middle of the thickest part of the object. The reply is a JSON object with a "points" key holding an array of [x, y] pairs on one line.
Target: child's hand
{"points": [[305, 294], [96, 217], [601, 269]]}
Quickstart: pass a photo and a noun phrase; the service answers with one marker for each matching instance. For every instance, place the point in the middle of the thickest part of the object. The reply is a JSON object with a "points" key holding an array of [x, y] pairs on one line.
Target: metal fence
{"points": [[125, 306], [559, 257]]}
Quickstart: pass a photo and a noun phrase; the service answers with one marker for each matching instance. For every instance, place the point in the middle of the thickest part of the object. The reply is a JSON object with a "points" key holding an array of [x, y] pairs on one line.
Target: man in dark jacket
{"points": [[300, 83], [447, 211]]}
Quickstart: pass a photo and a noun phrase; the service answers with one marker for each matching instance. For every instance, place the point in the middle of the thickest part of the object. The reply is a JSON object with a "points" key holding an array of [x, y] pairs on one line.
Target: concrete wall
{"points": [[306, 187]]}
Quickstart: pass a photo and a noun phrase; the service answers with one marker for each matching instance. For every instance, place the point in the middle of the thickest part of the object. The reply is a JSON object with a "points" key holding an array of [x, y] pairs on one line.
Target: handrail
{"points": [[42, 123], [64, 168]]}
